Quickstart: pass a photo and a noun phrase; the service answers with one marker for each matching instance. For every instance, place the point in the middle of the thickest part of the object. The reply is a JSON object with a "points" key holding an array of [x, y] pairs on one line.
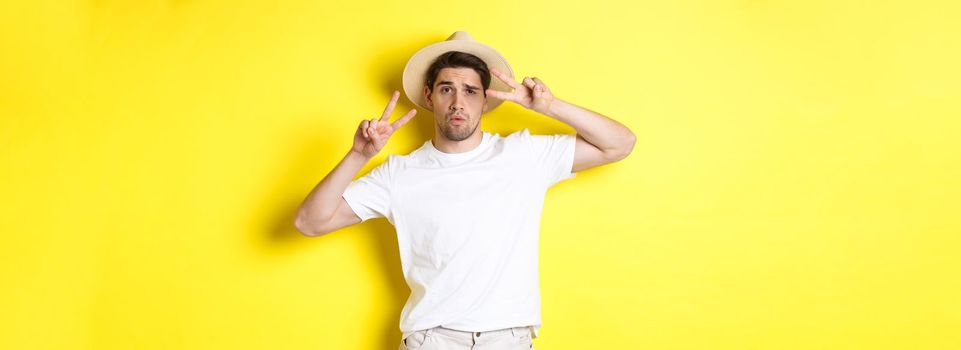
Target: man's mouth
{"points": [[457, 120]]}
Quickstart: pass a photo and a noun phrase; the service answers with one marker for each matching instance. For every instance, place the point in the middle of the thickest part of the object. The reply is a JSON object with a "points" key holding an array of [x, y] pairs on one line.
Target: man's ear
{"points": [[430, 103]]}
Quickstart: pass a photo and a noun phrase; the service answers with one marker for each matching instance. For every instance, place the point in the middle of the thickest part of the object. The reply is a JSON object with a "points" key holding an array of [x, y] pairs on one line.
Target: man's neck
{"points": [[443, 144]]}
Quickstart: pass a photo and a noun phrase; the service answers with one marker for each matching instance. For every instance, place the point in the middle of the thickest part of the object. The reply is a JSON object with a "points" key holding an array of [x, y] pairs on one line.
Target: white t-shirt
{"points": [[467, 227]]}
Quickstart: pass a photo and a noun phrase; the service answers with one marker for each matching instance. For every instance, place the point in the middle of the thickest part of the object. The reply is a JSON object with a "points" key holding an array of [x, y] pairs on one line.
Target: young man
{"points": [[467, 204]]}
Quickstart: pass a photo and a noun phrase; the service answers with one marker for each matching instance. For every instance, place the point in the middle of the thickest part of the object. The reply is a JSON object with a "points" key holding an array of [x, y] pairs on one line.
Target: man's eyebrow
{"points": [[447, 82]]}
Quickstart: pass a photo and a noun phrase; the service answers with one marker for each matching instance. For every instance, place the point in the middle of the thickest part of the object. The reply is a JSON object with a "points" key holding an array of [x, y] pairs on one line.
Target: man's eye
{"points": [[445, 89], [471, 92]]}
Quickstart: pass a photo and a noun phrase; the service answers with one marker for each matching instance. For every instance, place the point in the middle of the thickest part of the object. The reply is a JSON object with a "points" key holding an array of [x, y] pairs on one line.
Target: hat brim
{"points": [[414, 78]]}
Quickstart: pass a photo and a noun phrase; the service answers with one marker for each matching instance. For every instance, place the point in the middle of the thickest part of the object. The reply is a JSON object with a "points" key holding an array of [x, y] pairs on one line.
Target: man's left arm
{"points": [[600, 140]]}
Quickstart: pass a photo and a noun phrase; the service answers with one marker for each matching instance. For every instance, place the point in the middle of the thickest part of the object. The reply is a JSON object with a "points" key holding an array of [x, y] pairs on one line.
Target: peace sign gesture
{"points": [[532, 94], [372, 134]]}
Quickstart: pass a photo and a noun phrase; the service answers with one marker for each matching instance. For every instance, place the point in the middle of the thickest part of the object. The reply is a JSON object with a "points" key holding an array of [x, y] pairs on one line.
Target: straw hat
{"points": [[415, 73]]}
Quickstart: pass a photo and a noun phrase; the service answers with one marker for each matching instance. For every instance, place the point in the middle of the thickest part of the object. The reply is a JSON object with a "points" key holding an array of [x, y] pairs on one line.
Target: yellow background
{"points": [[795, 184]]}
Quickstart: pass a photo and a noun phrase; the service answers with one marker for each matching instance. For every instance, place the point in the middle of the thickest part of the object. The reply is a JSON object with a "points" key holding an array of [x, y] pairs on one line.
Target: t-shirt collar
{"points": [[434, 152]]}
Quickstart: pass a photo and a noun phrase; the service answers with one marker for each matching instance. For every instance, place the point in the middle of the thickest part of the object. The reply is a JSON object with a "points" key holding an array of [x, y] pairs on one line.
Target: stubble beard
{"points": [[458, 132]]}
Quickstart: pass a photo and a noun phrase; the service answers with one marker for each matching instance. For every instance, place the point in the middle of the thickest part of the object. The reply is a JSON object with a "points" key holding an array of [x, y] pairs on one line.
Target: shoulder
{"points": [[519, 137], [523, 134], [539, 140], [401, 161]]}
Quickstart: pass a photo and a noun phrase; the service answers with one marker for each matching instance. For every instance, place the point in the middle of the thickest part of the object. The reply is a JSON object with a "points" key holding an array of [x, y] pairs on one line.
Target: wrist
{"points": [[357, 155], [554, 108]]}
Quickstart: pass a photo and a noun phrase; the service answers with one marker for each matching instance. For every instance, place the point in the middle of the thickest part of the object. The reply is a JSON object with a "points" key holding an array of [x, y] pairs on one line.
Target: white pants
{"points": [[439, 338]]}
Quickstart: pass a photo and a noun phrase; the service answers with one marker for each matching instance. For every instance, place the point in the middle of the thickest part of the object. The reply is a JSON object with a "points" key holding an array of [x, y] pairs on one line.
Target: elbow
{"points": [[305, 228], [626, 147]]}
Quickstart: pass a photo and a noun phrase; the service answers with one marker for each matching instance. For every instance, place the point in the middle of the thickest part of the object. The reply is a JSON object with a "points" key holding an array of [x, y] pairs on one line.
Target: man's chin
{"points": [[457, 135]]}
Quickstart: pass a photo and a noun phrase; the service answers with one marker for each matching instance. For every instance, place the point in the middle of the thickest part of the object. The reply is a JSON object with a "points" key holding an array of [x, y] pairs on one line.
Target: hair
{"points": [[457, 59]]}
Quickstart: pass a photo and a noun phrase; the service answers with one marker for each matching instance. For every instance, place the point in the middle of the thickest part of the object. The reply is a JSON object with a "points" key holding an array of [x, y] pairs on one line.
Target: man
{"points": [[467, 204]]}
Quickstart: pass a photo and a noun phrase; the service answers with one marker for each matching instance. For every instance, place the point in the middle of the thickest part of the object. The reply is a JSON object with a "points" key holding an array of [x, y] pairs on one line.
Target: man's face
{"points": [[458, 101]]}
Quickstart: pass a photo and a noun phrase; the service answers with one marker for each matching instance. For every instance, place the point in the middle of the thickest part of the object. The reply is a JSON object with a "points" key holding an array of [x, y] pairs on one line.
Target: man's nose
{"points": [[458, 102]]}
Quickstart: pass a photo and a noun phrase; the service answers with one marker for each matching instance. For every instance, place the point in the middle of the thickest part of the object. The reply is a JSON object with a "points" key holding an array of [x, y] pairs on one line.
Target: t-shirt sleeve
{"points": [[554, 156], [369, 196]]}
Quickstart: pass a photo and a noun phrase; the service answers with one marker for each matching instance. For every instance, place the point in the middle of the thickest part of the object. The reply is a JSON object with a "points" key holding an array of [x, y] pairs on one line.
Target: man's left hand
{"points": [[532, 94]]}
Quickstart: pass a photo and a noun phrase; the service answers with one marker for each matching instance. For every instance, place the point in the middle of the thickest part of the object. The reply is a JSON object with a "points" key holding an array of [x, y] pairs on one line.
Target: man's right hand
{"points": [[372, 135]]}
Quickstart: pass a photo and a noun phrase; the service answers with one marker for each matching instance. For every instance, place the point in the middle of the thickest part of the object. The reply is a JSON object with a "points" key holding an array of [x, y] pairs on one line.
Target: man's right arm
{"points": [[325, 210]]}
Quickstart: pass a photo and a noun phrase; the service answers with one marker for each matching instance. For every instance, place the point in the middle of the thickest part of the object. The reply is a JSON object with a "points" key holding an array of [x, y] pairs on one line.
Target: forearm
{"points": [[604, 133], [321, 204]]}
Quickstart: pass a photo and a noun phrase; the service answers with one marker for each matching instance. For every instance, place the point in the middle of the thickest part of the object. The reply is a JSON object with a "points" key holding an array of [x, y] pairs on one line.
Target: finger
{"points": [[363, 127], [499, 95], [390, 105], [506, 79], [528, 82], [403, 120], [375, 131], [539, 85]]}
